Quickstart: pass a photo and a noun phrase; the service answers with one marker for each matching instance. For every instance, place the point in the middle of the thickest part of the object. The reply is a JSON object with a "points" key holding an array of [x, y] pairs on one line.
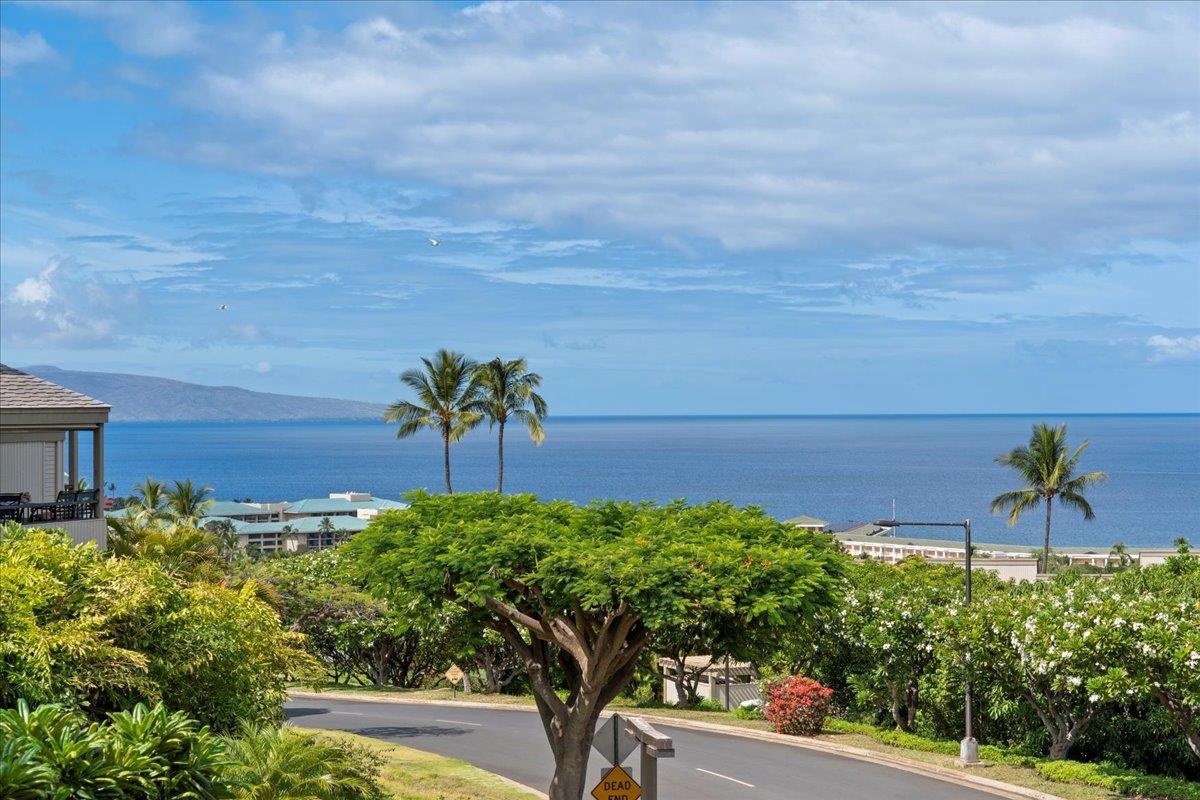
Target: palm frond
{"points": [[1076, 500], [1015, 502]]}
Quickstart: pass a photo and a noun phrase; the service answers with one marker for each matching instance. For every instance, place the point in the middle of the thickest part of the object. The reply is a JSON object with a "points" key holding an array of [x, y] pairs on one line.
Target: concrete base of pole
{"points": [[968, 752]]}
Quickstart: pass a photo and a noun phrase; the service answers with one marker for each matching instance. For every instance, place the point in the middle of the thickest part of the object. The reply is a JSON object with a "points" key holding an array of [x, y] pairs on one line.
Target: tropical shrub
{"points": [[146, 753], [288, 764], [797, 705], [101, 634]]}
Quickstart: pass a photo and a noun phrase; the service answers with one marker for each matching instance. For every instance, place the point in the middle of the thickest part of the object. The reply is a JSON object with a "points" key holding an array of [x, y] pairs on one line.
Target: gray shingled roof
{"points": [[20, 390]]}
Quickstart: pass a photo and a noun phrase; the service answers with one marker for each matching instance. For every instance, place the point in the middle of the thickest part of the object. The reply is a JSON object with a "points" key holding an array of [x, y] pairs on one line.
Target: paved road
{"points": [[707, 766]]}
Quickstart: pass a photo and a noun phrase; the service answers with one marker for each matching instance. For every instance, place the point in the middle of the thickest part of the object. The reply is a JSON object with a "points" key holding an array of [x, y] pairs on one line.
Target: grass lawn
{"points": [[410, 774]]}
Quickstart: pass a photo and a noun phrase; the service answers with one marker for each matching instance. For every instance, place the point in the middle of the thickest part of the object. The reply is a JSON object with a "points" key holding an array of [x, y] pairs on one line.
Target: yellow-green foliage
{"points": [[1124, 781], [100, 634]]}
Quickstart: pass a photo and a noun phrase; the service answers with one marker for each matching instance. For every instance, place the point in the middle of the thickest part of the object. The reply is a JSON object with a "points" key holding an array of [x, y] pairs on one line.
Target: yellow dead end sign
{"points": [[617, 784], [454, 674]]}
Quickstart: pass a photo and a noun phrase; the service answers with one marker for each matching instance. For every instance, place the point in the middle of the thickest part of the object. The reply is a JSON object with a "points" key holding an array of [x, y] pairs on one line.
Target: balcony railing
{"points": [[67, 506]]}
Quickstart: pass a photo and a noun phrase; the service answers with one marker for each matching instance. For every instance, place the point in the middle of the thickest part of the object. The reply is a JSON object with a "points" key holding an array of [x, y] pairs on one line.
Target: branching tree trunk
{"points": [[598, 656], [1185, 716], [1064, 727], [687, 682]]}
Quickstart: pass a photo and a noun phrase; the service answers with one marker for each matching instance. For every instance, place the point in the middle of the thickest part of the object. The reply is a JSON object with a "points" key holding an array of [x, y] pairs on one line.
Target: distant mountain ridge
{"points": [[143, 398]]}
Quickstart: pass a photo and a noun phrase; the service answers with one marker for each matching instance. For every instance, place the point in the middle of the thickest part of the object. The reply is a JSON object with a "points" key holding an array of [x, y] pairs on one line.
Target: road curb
{"points": [[998, 788]]}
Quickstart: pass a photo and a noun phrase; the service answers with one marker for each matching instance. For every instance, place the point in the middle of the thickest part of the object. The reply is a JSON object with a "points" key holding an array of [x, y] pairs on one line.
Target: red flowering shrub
{"points": [[797, 705]]}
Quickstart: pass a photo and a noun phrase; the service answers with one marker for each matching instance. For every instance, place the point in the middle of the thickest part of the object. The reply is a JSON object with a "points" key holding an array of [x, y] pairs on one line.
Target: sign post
{"points": [[454, 675], [616, 739]]}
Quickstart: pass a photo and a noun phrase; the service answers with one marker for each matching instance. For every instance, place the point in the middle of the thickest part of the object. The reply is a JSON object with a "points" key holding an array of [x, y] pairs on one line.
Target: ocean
{"points": [[837, 468]]}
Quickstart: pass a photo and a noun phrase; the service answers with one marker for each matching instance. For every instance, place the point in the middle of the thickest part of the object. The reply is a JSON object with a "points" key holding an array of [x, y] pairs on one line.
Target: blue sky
{"points": [[814, 208]]}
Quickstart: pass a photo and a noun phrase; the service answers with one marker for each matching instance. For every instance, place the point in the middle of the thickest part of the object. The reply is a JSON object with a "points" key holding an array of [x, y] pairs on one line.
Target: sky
{"points": [[667, 209]]}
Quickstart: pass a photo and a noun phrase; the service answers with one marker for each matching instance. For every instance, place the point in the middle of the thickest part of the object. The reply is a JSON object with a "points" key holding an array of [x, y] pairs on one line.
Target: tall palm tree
{"points": [[186, 503], [1048, 471], [507, 392], [446, 393]]}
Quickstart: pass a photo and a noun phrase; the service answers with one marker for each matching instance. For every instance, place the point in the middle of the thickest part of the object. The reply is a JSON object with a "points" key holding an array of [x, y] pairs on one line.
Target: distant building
{"points": [[243, 512], [808, 523], [40, 423], [341, 504], [872, 541], [297, 526]]}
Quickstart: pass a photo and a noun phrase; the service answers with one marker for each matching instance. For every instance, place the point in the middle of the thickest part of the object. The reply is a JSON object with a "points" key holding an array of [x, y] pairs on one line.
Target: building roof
{"points": [[232, 508], [302, 525], [806, 522], [865, 529], [20, 390], [330, 505], [710, 667]]}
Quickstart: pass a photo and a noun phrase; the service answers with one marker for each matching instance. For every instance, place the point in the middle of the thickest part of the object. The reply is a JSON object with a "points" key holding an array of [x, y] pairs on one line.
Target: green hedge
{"points": [[1125, 781], [911, 741], [1105, 775]]}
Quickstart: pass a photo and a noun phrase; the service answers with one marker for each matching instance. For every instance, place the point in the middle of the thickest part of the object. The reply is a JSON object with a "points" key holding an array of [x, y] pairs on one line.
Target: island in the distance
{"points": [[143, 398]]}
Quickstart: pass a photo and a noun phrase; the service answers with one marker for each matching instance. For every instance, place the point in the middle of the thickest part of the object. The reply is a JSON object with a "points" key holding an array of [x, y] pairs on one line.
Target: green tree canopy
{"points": [[585, 589]]}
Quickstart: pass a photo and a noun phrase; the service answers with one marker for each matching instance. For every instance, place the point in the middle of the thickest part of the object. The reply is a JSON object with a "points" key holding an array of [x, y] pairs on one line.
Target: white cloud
{"points": [[36, 290], [17, 50], [1172, 348], [157, 30], [64, 305], [757, 126]]}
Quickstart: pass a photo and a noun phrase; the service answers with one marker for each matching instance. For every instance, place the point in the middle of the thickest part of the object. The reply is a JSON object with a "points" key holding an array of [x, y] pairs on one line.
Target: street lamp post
{"points": [[968, 749]]}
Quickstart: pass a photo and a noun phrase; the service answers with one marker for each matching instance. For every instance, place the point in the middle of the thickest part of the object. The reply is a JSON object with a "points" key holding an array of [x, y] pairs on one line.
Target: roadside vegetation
{"points": [[168, 657]]}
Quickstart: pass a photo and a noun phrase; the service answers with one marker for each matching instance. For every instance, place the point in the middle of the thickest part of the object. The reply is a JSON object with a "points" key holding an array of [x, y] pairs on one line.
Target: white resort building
{"points": [[868, 540], [309, 524], [40, 427]]}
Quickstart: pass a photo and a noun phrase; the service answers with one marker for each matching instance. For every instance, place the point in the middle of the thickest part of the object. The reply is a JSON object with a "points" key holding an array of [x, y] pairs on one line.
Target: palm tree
{"points": [[447, 390], [186, 503], [1048, 472], [1120, 553], [150, 499], [507, 392]]}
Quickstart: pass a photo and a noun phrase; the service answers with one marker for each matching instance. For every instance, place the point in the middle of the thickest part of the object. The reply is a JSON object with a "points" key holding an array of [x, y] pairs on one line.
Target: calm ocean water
{"points": [[836, 468]]}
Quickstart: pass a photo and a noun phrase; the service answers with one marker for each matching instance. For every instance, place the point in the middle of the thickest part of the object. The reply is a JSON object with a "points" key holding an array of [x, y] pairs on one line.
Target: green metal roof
{"points": [[232, 508], [329, 505], [806, 521]]}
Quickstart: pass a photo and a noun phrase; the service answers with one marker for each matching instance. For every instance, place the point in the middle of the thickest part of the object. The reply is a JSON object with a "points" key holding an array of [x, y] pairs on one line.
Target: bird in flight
{"points": [[222, 307], [434, 242]]}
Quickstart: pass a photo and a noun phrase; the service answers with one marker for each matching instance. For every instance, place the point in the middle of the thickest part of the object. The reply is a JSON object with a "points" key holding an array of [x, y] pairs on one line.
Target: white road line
{"points": [[726, 777], [460, 722], [349, 713]]}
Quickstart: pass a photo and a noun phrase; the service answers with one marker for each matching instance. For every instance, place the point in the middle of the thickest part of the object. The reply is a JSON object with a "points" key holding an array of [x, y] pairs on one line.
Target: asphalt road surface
{"points": [[707, 766]]}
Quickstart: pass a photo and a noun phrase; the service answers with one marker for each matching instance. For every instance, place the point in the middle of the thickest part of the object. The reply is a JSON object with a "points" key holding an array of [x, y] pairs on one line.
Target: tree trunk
{"points": [[1046, 540], [500, 471], [1060, 746], [901, 713], [446, 460], [571, 758], [1185, 717]]}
